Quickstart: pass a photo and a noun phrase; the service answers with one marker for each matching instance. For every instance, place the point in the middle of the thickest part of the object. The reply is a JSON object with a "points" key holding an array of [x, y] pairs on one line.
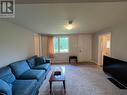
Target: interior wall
{"points": [[118, 42], [95, 42], [74, 48], [73, 45], [16, 43]]}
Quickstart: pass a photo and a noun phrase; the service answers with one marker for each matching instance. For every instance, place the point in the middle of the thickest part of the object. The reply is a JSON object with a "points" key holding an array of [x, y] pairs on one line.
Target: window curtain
{"points": [[50, 47], [38, 44]]}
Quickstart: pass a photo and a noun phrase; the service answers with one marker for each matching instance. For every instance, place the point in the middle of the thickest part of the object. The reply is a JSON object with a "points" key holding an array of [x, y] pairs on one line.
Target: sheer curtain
{"points": [[43, 45], [50, 47], [38, 44]]}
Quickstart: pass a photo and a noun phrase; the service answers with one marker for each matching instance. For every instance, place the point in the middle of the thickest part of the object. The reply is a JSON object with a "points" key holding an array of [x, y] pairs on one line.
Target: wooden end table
{"points": [[57, 78]]}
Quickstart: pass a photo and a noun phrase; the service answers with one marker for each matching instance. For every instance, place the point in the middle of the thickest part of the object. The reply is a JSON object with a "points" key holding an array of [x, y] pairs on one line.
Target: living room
{"points": [[70, 37]]}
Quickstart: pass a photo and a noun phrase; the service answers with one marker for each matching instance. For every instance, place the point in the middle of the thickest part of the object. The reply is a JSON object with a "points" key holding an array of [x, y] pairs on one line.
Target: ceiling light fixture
{"points": [[69, 26]]}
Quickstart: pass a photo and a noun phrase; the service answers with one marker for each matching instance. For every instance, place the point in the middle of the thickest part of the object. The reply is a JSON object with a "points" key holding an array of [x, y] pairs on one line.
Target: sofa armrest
{"points": [[5, 88], [2, 93]]}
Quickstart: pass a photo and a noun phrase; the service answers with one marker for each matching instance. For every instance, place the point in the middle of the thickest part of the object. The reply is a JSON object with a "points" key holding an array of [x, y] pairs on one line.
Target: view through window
{"points": [[61, 44]]}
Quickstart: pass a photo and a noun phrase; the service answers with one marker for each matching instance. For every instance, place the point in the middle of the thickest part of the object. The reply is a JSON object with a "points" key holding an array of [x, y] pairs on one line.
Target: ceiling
{"points": [[62, 1], [87, 17]]}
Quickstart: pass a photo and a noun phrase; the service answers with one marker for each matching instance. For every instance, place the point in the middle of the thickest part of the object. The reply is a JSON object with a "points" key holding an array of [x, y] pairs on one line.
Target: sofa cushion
{"points": [[32, 61], [23, 87], [19, 67], [5, 88], [43, 66], [7, 75], [32, 74], [39, 61], [44, 58]]}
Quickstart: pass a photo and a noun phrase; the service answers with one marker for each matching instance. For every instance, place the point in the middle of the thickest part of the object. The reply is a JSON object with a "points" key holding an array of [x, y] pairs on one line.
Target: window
{"points": [[61, 44], [55, 40]]}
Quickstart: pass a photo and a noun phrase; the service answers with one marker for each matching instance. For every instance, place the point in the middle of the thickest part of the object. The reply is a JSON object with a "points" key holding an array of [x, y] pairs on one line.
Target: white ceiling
{"points": [[88, 17]]}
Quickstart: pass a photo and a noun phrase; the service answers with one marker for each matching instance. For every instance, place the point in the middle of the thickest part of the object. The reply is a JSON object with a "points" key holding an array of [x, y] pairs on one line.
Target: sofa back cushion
{"points": [[43, 58], [40, 61], [5, 88], [7, 75], [19, 67], [32, 61]]}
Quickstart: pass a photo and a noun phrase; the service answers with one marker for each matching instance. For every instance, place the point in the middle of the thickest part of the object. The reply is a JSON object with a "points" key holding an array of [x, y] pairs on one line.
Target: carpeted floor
{"points": [[82, 80]]}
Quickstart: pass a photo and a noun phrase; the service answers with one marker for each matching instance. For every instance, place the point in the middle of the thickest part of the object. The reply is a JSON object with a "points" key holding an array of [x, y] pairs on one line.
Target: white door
{"points": [[84, 48]]}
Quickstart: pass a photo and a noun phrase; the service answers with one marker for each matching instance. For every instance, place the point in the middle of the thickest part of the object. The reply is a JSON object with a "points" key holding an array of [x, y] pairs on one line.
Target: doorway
{"points": [[104, 47]]}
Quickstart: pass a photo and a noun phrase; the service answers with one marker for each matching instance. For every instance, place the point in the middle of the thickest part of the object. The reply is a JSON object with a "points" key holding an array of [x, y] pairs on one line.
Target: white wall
{"points": [[80, 45], [118, 42], [95, 43], [74, 48], [73, 45], [16, 43]]}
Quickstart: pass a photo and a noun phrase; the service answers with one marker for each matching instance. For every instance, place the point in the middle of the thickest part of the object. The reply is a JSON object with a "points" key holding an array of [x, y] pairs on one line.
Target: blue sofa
{"points": [[40, 63], [24, 77]]}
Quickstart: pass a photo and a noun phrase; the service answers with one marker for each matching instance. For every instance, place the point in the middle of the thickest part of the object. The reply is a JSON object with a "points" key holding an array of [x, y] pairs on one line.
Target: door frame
{"points": [[100, 47]]}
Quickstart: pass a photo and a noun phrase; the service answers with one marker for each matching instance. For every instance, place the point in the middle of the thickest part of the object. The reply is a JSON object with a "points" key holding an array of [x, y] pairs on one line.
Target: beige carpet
{"points": [[82, 80]]}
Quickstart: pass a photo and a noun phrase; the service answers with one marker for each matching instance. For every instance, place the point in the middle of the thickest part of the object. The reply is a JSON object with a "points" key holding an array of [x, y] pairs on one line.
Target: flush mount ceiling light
{"points": [[69, 25]]}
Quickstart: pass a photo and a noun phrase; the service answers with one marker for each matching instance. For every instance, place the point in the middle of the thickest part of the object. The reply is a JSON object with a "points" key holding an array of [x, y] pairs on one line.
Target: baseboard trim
{"points": [[60, 63], [85, 62]]}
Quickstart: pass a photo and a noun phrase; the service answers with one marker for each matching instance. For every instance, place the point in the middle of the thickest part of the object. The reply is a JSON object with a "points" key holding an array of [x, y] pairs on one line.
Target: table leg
{"points": [[64, 86], [50, 87]]}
